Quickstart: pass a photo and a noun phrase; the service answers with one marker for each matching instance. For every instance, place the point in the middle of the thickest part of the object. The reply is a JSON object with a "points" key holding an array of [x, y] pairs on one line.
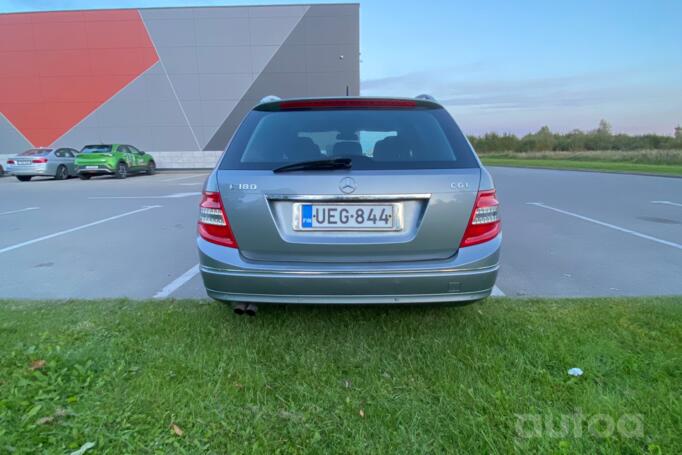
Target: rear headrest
{"points": [[303, 149], [347, 149], [392, 148]]}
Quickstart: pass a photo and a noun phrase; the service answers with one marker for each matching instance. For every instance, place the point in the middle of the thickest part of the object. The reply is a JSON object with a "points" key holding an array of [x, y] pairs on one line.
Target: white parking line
{"points": [[667, 203], [611, 226], [177, 283], [497, 292], [77, 228], [164, 196], [20, 210], [185, 177]]}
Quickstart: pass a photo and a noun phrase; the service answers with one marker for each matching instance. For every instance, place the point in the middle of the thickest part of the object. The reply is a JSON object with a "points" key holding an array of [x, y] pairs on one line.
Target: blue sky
{"points": [[510, 66]]}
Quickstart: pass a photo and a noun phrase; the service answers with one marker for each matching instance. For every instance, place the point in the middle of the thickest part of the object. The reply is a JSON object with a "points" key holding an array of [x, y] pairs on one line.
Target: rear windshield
{"points": [[96, 149], [35, 152], [421, 138]]}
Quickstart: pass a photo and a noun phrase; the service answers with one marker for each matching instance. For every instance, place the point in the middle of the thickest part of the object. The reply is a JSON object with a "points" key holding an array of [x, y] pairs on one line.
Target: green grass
{"points": [[663, 162], [635, 168], [341, 380]]}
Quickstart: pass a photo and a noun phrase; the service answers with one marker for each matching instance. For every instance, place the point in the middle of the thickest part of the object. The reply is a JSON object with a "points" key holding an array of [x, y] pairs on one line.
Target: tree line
{"points": [[601, 138]]}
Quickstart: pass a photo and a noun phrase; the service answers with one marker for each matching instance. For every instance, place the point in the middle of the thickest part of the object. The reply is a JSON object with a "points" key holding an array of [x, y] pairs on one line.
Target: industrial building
{"points": [[174, 82]]}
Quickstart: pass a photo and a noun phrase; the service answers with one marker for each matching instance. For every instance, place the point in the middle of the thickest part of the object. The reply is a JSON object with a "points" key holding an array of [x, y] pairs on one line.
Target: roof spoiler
{"points": [[345, 103]]}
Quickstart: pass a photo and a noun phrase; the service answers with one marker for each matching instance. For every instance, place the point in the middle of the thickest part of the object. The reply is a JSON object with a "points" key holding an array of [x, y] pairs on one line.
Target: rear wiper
{"points": [[317, 165]]}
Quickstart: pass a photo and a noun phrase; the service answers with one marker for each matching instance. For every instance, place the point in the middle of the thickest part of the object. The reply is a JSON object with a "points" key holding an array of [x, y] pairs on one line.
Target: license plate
{"points": [[91, 167], [23, 162], [346, 217]]}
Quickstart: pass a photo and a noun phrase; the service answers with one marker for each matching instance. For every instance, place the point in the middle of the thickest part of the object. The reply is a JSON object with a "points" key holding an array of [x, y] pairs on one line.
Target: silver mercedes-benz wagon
{"points": [[349, 200]]}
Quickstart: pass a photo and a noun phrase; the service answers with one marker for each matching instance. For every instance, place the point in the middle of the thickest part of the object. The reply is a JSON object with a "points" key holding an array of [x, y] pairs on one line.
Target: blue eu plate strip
{"points": [[307, 216]]}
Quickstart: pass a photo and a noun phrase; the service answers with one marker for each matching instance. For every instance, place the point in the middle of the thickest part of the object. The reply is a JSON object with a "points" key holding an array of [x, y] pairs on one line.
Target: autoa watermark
{"points": [[577, 425]]}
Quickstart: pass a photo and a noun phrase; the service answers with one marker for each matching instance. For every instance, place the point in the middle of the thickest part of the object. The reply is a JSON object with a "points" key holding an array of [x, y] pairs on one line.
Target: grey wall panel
{"points": [[335, 10], [221, 12], [193, 112], [157, 88], [122, 111], [213, 109], [136, 115], [86, 132], [179, 59], [224, 86], [233, 59], [168, 13], [271, 30], [317, 71], [170, 138], [186, 86], [261, 56], [212, 68], [331, 29], [163, 113], [223, 32], [11, 141], [279, 11], [216, 63], [322, 58], [135, 135], [289, 85], [207, 132], [298, 34], [168, 32]]}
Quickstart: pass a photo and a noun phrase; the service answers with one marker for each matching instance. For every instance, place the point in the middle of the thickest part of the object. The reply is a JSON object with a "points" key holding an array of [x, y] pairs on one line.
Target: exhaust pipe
{"points": [[251, 309], [239, 308]]}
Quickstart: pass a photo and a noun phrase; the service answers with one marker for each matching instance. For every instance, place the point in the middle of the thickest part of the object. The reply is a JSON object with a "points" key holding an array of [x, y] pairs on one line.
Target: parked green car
{"points": [[119, 160]]}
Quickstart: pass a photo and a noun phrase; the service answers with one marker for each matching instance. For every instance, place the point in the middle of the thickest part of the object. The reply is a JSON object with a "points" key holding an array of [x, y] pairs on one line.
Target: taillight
{"points": [[484, 223], [39, 161], [213, 224], [10, 162]]}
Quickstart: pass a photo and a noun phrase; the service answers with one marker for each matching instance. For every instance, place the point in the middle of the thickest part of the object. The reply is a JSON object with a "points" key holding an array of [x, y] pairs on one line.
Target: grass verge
{"points": [[189, 377], [663, 162]]}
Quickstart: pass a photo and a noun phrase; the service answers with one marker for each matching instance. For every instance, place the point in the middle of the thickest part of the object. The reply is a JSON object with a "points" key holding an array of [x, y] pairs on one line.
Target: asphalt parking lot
{"points": [[566, 234]]}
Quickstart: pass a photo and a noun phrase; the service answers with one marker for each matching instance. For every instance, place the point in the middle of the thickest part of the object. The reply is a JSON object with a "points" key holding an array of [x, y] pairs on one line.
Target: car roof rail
{"points": [[425, 96], [269, 99]]}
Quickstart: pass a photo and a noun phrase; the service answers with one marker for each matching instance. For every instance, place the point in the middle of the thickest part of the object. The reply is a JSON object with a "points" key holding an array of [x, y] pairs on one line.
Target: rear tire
{"points": [[24, 178], [121, 171], [151, 168], [84, 176], [62, 173]]}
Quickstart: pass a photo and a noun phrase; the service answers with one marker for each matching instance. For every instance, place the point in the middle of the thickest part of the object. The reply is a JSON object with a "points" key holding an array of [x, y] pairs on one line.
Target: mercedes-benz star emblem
{"points": [[347, 185]]}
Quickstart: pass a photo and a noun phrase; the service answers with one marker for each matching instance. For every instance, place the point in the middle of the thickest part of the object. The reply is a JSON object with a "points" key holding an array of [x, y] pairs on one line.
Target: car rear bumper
{"points": [[29, 170], [467, 276], [100, 169]]}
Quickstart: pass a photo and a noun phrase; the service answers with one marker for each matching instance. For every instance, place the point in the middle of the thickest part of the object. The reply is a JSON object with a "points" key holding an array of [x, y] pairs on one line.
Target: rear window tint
{"points": [[422, 138], [96, 149]]}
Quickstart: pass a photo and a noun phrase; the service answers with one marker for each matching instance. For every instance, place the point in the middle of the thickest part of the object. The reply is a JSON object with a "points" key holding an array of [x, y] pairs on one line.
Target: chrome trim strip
{"points": [[257, 272], [347, 197], [352, 299]]}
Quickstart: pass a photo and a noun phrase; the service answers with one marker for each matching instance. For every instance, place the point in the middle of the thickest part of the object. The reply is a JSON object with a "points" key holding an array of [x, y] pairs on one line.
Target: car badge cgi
{"points": [[347, 185]]}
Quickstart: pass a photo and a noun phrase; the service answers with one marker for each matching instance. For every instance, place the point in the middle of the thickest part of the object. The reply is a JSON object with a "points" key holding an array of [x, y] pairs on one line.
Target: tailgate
{"points": [[431, 209]]}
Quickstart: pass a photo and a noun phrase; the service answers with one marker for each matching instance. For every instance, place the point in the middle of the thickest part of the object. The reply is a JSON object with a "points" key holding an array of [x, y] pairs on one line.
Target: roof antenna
{"points": [[347, 90]]}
